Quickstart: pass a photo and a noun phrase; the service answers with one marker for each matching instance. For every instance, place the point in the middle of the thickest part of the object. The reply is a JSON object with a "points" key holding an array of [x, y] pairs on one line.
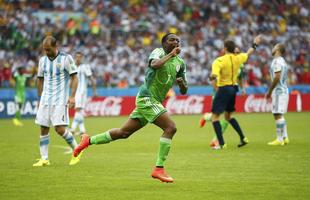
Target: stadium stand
{"points": [[117, 36]]}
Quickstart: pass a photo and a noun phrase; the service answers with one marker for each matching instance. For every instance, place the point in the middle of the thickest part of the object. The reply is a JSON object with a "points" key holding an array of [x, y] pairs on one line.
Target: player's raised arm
{"points": [[157, 63], [256, 42]]}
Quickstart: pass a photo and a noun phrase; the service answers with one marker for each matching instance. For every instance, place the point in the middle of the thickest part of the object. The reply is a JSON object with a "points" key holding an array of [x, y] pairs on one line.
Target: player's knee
{"points": [[171, 129], [60, 130], [124, 134]]}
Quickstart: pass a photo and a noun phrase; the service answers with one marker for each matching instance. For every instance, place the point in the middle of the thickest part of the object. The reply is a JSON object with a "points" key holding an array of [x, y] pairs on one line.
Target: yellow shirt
{"points": [[226, 68]]}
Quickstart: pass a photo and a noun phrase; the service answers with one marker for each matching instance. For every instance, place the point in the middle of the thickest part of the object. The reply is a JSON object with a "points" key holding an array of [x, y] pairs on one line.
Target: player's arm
{"points": [[72, 70], [73, 84], [40, 82], [256, 42], [158, 62], [182, 80], [277, 76], [216, 67]]}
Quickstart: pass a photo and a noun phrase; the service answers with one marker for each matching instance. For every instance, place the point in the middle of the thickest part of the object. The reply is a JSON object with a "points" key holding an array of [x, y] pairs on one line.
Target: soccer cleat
{"points": [[41, 163], [160, 174], [214, 143], [83, 145], [243, 142], [202, 122], [206, 117], [286, 141], [75, 160], [276, 142], [17, 122], [219, 147]]}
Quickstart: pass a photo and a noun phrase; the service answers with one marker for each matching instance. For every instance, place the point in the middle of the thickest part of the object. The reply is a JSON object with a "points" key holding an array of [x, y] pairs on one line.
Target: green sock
{"points": [[164, 147], [17, 114], [102, 138], [224, 125]]}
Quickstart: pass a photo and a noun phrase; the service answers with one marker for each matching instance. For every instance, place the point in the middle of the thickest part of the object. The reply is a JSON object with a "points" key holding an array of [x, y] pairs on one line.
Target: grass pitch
{"points": [[121, 169]]}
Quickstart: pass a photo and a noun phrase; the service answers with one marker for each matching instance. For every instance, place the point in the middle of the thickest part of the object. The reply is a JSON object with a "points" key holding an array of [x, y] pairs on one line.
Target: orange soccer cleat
{"points": [[160, 174], [83, 145], [202, 122]]}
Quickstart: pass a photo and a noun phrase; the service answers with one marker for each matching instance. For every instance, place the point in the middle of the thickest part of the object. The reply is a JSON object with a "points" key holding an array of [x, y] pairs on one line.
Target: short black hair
{"points": [[230, 46], [165, 38], [79, 52]]}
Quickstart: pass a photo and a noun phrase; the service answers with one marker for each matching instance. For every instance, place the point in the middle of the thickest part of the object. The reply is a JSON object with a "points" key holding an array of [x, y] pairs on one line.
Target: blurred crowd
{"points": [[117, 36]]}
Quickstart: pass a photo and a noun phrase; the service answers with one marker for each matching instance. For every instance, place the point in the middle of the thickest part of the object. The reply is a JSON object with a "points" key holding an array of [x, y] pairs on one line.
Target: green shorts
{"points": [[19, 99], [147, 110]]}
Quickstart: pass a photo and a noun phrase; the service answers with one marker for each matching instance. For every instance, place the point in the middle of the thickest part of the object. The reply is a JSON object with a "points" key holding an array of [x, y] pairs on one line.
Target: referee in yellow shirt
{"points": [[225, 73]]}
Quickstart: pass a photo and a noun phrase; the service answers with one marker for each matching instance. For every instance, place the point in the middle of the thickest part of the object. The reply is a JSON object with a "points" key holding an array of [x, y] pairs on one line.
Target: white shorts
{"points": [[80, 100], [279, 103], [52, 115]]}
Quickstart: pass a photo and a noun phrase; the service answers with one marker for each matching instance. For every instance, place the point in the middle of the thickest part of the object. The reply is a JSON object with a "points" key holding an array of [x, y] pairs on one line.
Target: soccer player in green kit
{"points": [[207, 116], [164, 68], [20, 78]]}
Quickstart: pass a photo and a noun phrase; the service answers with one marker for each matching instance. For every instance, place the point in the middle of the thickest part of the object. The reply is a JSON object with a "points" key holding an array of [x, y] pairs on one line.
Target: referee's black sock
{"points": [[237, 128], [218, 130]]}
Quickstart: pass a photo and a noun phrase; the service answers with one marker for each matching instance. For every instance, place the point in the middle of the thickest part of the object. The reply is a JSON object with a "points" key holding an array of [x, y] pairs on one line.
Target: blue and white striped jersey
{"points": [[84, 72], [56, 74], [279, 65]]}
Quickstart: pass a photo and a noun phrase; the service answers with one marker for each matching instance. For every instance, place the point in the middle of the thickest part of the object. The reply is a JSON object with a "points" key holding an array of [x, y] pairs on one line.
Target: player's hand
{"points": [[268, 96], [258, 39], [175, 51], [180, 81], [71, 102]]}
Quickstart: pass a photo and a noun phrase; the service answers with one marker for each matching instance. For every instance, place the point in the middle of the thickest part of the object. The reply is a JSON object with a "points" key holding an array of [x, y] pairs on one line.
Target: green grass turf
{"points": [[121, 169]]}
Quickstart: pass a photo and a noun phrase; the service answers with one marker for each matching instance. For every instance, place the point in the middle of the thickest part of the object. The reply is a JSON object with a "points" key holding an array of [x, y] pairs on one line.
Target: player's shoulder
{"points": [[220, 58], [62, 53], [158, 51], [180, 59], [279, 61]]}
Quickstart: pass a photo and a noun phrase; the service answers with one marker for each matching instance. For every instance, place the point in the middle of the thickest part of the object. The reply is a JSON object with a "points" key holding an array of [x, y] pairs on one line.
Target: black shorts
{"points": [[224, 99]]}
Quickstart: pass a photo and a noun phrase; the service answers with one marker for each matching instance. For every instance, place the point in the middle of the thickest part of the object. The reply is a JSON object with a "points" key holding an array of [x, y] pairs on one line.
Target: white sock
{"points": [[69, 139], [285, 130], [76, 120], [82, 127], [44, 141], [280, 123]]}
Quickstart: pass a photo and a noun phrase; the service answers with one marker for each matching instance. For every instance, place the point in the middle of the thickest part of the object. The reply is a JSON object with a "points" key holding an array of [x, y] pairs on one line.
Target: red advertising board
{"points": [[192, 104]]}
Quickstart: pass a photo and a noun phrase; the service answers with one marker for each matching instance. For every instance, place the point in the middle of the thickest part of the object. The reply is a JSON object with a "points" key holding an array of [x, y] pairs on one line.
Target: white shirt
{"points": [[56, 74], [279, 65], [84, 72]]}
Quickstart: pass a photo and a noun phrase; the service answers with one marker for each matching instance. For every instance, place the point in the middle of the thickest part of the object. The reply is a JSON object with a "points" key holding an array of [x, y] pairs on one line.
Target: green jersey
{"points": [[158, 81], [20, 83]]}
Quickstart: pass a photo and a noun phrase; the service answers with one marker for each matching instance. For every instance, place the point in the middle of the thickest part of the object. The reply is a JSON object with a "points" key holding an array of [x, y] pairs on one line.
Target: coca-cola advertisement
{"points": [[192, 104]]}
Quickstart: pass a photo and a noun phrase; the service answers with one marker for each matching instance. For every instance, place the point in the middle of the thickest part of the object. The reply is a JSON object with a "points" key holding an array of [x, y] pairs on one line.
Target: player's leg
{"points": [[218, 106], [279, 107], [132, 125], [80, 110], [230, 108], [214, 142], [42, 119], [168, 126], [17, 118], [234, 123], [280, 125], [78, 120], [75, 121]]}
